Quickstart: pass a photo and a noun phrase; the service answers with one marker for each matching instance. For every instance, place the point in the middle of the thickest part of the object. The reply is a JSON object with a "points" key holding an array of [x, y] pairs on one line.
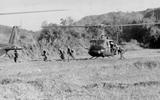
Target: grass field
{"points": [[134, 78]]}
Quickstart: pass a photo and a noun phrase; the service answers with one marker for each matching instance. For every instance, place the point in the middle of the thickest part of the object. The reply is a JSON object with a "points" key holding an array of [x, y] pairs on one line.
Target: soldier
{"points": [[111, 47], [103, 37], [70, 53], [61, 53], [44, 55], [121, 52], [15, 55], [114, 49]]}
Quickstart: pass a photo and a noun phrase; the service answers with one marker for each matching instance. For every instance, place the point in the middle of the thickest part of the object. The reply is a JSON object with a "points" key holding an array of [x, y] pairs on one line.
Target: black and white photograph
{"points": [[79, 50]]}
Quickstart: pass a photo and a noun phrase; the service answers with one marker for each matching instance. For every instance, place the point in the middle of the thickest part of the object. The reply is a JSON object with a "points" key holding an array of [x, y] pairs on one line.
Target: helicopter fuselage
{"points": [[101, 48]]}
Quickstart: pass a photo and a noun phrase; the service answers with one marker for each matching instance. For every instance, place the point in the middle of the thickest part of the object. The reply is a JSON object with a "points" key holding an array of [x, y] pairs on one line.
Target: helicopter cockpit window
{"points": [[97, 42], [100, 42], [93, 42]]}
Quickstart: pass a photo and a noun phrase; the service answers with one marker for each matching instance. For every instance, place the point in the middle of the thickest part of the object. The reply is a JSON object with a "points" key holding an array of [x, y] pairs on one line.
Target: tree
{"points": [[66, 21], [44, 23]]}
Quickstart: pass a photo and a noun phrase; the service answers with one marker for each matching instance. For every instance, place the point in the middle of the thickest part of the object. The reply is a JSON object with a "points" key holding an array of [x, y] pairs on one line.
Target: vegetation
{"points": [[146, 35], [51, 37]]}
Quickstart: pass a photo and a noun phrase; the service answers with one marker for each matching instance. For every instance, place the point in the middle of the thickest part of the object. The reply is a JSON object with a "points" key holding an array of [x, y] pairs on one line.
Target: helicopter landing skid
{"points": [[93, 57]]}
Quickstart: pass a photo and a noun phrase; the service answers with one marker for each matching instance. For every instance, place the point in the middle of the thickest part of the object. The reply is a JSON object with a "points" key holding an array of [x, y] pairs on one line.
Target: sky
{"points": [[75, 9]]}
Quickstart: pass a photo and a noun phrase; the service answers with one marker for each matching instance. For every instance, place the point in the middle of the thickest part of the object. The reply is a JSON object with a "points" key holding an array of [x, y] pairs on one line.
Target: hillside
{"points": [[24, 39], [119, 17], [5, 32], [51, 37], [148, 35]]}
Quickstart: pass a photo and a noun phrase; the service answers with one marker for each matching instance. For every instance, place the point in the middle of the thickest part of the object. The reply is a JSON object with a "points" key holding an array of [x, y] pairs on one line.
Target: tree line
{"points": [[148, 36]]}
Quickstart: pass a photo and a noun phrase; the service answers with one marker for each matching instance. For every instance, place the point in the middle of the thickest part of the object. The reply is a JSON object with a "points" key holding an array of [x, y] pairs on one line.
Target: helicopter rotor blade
{"points": [[27, 12]]}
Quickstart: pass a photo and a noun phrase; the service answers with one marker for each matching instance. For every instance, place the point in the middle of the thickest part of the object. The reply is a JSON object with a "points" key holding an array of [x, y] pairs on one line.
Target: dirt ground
{"points": [[135, 78]]}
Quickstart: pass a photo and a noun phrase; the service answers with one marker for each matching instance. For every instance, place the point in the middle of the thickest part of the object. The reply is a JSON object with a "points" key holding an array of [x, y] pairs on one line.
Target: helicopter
{"points": [[102, 48], [98, 47], [5, 48], [105, 47]]}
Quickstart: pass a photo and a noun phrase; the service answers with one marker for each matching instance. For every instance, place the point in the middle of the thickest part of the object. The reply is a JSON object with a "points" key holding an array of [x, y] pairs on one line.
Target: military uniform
{"points": [[44, 55], [70, 53], [61, 53], [121, 52], [15, 56]]}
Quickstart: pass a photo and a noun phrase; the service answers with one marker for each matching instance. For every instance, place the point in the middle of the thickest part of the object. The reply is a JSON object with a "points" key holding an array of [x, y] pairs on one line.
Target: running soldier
{"points": [[15, 55], [70, 53], [121, 51], [44, 55], [61, 53], [112, 47]]}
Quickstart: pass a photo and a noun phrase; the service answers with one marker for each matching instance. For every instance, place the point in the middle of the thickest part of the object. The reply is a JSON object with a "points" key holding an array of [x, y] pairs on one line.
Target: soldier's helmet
{"points": [[44, 51], [102, 37], [15, 50]]}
